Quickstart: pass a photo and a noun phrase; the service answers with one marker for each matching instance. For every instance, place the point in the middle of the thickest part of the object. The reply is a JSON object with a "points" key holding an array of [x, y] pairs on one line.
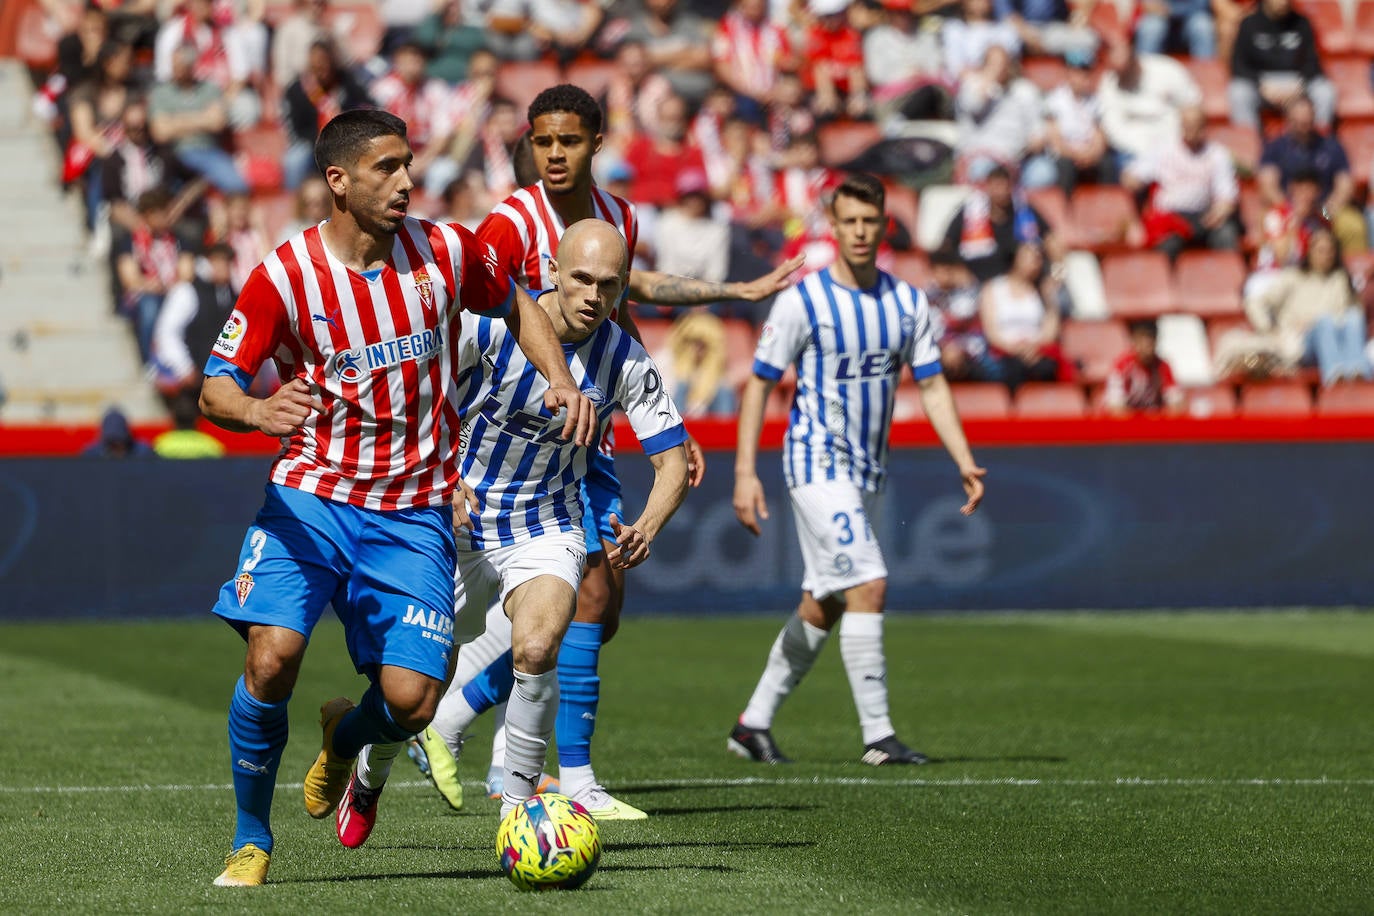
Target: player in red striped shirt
{"points": [[359, 314], [524, 229]]}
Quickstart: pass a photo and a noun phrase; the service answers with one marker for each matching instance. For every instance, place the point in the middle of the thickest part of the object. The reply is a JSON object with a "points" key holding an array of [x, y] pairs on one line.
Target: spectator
{"points": [[1275, 60], [788, 113], [1074, 139], [424, 103], [1053, 27], [1228, 15], [78, 51], [527, 29], [189, 323], [452, 40], [470, 106], [1194, 195], [833, 67], [967, 40], [136, 164], [322, 91], [1022, 333], [1000, 119], [992, 224], [294, 35], [222, 59], [189, 114], [905, 65], [465, 201], [1285, 231], [183, 441], [148, 264], [633, 95], [697, 343], [97, 113], [240, 227], [1141, 96], [1309, 315], [659, 157], [116, 440], [678, 44], [400, 19], [1161, 19], [493, 153], [1300, 148], [747, 52], [689, 243], [953, 297], [313, 202], [1141, 380]]}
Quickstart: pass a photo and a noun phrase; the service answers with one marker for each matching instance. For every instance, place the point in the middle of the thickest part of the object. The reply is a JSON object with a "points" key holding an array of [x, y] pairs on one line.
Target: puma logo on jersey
{"points": [[325, 318]]}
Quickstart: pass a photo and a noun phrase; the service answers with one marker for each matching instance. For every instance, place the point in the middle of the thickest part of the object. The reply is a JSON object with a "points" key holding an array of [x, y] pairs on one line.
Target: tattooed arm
{"points": [[667, 289]]}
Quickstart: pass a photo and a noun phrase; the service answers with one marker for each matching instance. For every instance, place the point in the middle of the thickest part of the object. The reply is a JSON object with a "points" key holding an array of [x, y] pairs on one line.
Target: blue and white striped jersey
{"points": [[525, 475], [849, 346]]}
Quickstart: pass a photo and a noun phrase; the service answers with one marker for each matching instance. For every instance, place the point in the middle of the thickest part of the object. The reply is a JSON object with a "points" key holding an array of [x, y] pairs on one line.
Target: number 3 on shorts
{"points": [[846, 535], [256, 542]]}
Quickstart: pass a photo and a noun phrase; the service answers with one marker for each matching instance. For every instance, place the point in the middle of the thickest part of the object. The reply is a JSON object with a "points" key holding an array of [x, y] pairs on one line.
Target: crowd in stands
{"points": [[1080, 186]]}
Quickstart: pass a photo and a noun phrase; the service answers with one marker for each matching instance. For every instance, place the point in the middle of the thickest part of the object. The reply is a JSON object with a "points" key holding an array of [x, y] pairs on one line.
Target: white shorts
{"points": [[487, 576], [835, 524]]}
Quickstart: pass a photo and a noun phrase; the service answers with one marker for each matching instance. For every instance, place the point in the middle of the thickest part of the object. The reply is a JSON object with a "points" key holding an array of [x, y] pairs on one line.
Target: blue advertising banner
{"points": [[1069, 527]]}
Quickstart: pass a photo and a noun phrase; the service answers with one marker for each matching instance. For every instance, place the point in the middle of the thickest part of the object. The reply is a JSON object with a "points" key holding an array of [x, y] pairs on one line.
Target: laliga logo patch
{"points": [[424, 287], [231, 335], [908, 324], [243, 584], [346, 365], [767, 334]]}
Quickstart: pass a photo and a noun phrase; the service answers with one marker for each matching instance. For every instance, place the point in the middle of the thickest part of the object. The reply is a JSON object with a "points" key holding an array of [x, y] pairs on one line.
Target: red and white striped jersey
{"points": [[525, 229], [753, 51], [378, 353]]}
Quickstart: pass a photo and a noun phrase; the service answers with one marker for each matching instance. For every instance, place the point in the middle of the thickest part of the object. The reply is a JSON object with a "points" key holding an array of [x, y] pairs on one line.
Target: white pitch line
{"points": [[747, 781]]}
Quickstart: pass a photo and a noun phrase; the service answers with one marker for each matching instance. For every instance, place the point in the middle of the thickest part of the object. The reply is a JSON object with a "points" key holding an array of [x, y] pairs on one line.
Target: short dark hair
{"points": [[220, 250], [945, 256], [860, 187], [342, 140], [1143, 326], [569, 98], [522, 161], [157, 198]]}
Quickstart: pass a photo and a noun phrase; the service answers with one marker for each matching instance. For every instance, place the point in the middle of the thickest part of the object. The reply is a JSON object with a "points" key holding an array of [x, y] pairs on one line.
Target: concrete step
{"points": [[72, 361], [138, 402], [16, 94]]}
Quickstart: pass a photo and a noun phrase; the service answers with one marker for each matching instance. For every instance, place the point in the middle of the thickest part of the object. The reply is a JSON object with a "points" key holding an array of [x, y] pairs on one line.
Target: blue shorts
{"points": [[388, 574], [600, 498]]}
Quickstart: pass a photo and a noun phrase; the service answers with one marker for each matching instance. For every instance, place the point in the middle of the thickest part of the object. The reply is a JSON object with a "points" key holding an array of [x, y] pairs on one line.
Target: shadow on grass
{"points": [[1013, 758], [433, 847], [726, 809], [716, 868], [485, 874], [713, 844]]}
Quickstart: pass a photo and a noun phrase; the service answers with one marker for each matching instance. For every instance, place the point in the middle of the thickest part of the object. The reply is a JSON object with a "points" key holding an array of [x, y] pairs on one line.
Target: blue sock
{"points": [[491, 686], [369, 722], [581, 692], [257, 736]]}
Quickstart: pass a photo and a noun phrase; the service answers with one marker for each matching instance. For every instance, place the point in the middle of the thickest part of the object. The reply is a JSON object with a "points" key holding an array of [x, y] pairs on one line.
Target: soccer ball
{"points": [[548, 841]]}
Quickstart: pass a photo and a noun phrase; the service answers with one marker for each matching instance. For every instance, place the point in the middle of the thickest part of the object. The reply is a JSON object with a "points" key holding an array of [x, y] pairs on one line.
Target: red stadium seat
{"points": [[1252, 210], [1209, 282], [1212, 401], [1348, 399], [1358, 140], [35, 43], [902, 204], [912, 267], [653, 333], [1052, 205], [841, 141], [1328, 21], [1212, 77], [906, 405], [1050, 400], [1359, 264], [1243, 143], [740, 342], [592, 74], [1276, 399], [1105, 20], [1138, 284], [1094, 346], [1363, 31], [1045, 72], [521, 81], [981, 400], [1354, 98], [277, 211], [1101, 216]]}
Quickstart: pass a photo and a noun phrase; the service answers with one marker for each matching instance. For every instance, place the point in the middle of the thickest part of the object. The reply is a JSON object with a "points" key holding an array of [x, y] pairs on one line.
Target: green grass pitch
{"points": [[1114, 763]]}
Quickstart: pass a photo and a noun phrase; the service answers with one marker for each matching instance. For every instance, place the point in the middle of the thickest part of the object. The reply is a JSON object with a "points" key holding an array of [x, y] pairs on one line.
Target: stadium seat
{"points": [[1358, 140], [1083, 277], [1183, 345], [521, 81], [1275, 399], [265, 139], [981, 400], [939, 203], [906, 405], [1252, 209], [1138, 284], [1354, 98], [1047, 73], [592, 74], [1094, 346], [1212, 401], [912, 267], [1049, 400], [653, 333], [1052, 205], [359, 27], [841, 141], [1209, 282], [276, 210], [1359, 264], [1329, 22], [902, 204], [1348, 399], [35, 42], [1212, 77], [1363, 31], [1243, 143], [740, 341], [1101, 217]]}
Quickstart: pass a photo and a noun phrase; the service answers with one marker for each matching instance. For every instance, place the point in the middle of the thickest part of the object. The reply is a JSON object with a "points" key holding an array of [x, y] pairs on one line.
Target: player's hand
{"points": [[750, 506], [973, 488], [770, 283], [696, 462], [631, 546], [580, 428], [286, 410], [465, 506]]}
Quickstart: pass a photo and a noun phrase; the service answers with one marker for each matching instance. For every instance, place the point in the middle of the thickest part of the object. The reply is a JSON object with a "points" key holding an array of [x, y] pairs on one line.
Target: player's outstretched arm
{"points": [[938, 402], [665, 496], [226, 405], [667, 289], [750, 505], [534, 334]]}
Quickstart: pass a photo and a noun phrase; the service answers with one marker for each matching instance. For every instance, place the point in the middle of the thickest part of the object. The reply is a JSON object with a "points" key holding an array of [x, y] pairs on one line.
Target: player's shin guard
{"points": [[369, 722], [580, 692], [792, 655], [861, 646], [530, 717], [257, 736]]}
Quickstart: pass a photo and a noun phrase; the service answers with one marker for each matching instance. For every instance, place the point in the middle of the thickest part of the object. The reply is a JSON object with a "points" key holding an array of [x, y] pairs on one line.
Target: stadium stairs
{"points": [[64, 355]]}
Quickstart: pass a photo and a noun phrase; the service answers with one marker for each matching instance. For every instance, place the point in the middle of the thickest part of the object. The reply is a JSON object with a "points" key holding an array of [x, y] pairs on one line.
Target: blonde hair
{"points": [[702, 369]]}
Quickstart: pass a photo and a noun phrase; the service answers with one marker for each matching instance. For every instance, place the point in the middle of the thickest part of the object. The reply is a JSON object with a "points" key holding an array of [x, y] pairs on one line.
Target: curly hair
{"points": [[569, 98]]}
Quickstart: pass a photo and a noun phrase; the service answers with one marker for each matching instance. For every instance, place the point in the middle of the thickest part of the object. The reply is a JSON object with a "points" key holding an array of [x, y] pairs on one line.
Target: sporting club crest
{"points": [[424, 287], [243, 584]]}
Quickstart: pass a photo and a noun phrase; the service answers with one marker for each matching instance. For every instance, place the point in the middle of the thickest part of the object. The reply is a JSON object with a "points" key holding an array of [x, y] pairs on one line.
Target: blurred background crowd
{"points": [[1113, 206]]}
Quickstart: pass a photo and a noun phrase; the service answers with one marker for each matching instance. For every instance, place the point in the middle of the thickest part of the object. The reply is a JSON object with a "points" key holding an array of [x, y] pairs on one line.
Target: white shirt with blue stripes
{"points": [[849, 346], [525, 476]]}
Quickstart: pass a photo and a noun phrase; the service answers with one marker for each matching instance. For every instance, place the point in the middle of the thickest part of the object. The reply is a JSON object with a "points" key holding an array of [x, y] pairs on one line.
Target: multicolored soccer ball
{"points": [[548, 841]]}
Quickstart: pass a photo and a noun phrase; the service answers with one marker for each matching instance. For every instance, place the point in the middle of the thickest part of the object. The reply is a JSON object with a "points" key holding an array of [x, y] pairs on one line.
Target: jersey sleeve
{"points": [[646, 402], [486, 285], [924, 356], [783, 336], [500, 232], [253, 332]]}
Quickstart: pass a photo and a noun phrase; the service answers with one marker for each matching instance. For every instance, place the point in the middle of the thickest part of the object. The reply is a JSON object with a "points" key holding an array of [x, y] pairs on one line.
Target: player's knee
{"points": [[412, 704], [537, 653], [270, 674], [870, 596]]}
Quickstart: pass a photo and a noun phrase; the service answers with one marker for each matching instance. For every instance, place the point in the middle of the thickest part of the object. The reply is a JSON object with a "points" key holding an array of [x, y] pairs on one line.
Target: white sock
{"points": [[374, 763], [792, 655], [498, 737], [453, 717], [572, 780], [530, 716], [861, 647]]}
